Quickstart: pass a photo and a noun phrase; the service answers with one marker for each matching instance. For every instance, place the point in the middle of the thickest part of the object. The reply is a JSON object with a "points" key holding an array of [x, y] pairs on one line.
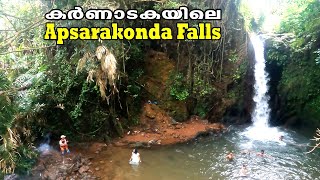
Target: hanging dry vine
{"points": [[10, 143], [105, 74], [317, 139]]}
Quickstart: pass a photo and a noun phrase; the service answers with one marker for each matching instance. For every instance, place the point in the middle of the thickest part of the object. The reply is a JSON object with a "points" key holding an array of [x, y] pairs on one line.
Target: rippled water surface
{"points": [[205, 159]]}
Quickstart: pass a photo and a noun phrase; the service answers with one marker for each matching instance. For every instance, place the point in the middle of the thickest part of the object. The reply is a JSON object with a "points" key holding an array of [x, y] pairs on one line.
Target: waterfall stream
{"points": [[260, 129], [260, 115]]}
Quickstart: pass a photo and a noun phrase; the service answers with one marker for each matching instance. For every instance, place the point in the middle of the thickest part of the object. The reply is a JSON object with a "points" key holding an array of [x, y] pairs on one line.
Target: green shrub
{"points": [[178, 88]]}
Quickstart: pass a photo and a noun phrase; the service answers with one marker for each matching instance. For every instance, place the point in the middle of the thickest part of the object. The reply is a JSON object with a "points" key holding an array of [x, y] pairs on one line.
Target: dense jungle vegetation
{"points": [[293, 59], [70, 89]]}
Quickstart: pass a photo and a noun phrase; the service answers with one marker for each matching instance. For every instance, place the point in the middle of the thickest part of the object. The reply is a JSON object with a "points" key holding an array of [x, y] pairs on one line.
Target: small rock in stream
{"points": [[151, 141]]}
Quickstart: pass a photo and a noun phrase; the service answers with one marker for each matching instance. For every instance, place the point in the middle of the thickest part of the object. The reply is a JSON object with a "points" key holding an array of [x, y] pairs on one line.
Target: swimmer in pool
{"points": [[230, 156], [281, 138], [135, 157], [263, 154]]}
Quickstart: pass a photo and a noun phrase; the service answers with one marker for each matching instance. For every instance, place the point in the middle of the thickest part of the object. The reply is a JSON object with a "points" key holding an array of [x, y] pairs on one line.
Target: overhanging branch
{"points": [[17, 34], [28, 49], [9, 15], [16, 89], [316, 138]]}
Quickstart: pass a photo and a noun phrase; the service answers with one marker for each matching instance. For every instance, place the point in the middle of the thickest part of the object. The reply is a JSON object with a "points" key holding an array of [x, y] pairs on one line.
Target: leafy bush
{"points": [[178, 88], [202, 88], [300, 82]]}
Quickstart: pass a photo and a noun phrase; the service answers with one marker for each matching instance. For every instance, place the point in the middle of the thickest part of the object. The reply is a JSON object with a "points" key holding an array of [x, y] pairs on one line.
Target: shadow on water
{"points": [[204, 158]]}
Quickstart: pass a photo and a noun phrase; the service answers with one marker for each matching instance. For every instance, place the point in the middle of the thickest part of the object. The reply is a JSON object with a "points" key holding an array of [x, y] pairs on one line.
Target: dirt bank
{"points": [[158, 128]]}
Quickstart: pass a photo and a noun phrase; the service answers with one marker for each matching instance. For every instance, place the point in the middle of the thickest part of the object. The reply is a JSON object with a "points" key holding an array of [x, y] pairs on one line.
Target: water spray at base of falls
{"points": [[45, 147], [260, 129]]}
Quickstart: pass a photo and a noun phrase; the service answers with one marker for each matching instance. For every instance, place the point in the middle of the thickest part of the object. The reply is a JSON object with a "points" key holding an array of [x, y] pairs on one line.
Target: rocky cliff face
{"points": [[274, 43]]}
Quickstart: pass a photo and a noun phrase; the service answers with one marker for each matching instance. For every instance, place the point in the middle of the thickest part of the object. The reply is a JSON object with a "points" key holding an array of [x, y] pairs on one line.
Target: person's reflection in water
{"points": [[135, 167]]}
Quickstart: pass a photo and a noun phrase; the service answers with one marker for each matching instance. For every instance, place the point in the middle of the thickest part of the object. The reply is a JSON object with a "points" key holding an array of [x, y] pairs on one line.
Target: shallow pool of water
{"points": [[204, 158]]}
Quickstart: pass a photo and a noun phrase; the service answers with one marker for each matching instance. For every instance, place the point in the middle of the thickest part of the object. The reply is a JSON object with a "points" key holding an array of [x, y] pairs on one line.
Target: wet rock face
{"points": [[277, 50]]}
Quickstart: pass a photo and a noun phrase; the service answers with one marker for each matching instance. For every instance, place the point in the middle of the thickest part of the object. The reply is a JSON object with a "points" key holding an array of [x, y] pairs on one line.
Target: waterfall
{"points": [[260, 129], [260, 115], [45, 145]]}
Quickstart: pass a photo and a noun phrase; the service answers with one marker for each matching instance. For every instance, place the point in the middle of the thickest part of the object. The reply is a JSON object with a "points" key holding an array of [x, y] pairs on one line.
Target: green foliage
{"points": [[299, 86], [201, 109], [12, 157], [6, 114], [317, 52], [301, 17], [134, 90], [247, 14], [300, 82], [136, 53], [277, 56], [202, 88], [313, 110], [57, 97], [303, 20], [178, 88], [135, 120], [179, 93], [253, 22], [19, 159], [77, 111], [233, 57], [7, 107], [26, 159], [167, 5], [240, 71]]}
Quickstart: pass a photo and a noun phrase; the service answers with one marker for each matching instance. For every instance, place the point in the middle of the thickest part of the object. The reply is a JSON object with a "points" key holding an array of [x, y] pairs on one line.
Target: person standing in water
{"points": [[63, 144], [135, 157]]}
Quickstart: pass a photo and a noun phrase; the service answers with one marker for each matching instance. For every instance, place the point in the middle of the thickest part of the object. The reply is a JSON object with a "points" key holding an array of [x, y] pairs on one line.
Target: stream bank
{"points": [[158, 128]]}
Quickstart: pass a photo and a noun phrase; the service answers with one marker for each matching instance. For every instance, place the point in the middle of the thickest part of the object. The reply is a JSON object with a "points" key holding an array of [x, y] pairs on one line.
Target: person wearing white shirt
{"points": [[135, 157]]}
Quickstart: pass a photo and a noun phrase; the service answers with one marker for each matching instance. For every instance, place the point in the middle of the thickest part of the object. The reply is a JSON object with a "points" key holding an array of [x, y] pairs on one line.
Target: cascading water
{"points": [[260, 129], [45, 145], [260, 115]]}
